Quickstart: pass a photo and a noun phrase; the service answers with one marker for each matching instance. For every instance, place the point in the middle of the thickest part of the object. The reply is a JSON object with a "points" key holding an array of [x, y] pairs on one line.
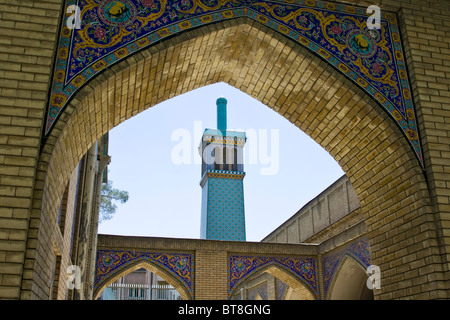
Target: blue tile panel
{"points": [[225, 206]]}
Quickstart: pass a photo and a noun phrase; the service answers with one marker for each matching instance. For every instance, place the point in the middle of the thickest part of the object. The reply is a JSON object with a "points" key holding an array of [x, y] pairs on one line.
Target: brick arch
{"points": [[117, 274], [279, 271], [358, 250], [342, 287], [286, 77]]}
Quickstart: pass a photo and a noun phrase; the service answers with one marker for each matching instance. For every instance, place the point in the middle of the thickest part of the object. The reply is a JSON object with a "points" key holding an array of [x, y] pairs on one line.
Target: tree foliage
{"points": [[109, 197]]}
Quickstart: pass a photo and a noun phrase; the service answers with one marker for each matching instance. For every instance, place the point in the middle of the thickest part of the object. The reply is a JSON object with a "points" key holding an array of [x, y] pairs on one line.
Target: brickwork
{"points": [[427, 41], [427, 37], [28, 38], [406, 211], [211, 265]]}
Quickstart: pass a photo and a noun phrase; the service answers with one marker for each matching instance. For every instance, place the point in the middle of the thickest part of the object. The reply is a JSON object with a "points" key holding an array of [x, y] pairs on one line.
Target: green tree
{"points": [[109, 196]]}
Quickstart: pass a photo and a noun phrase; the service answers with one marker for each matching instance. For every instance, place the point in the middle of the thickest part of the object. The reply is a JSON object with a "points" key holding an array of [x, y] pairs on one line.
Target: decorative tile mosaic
{"points": [[112, 262], [358, 250], [111, 30], [236, 175], [241, 267], [221, 140], [225, 211]]}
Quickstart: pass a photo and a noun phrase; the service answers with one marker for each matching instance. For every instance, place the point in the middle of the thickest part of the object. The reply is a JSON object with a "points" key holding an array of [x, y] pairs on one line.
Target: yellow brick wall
{"points": [[210, 275], [28, 38]]}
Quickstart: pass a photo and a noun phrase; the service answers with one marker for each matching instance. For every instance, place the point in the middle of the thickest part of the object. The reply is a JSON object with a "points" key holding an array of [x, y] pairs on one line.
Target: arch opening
{"points": [[287, 78], [327, 95], [272, 283], [350, 282], [172, 163], [152, 268]]}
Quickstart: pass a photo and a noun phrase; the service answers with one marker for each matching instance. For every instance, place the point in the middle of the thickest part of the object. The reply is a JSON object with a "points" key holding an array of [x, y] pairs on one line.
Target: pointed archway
{"points": [[118, 273], [296, 288], [350, 282], [312, 94]]}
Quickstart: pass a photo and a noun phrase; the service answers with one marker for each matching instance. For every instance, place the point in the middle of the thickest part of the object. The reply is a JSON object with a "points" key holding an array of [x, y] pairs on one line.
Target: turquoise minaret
{"points": [[222, 180]]}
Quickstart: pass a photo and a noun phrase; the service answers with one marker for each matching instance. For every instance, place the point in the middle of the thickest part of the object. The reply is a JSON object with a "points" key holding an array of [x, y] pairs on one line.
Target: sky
{"points": [[154, 156]]}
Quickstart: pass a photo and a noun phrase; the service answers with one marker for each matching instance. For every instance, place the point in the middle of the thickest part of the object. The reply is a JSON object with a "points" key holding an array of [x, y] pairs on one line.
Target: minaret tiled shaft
{"points": [[223, 214]]}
